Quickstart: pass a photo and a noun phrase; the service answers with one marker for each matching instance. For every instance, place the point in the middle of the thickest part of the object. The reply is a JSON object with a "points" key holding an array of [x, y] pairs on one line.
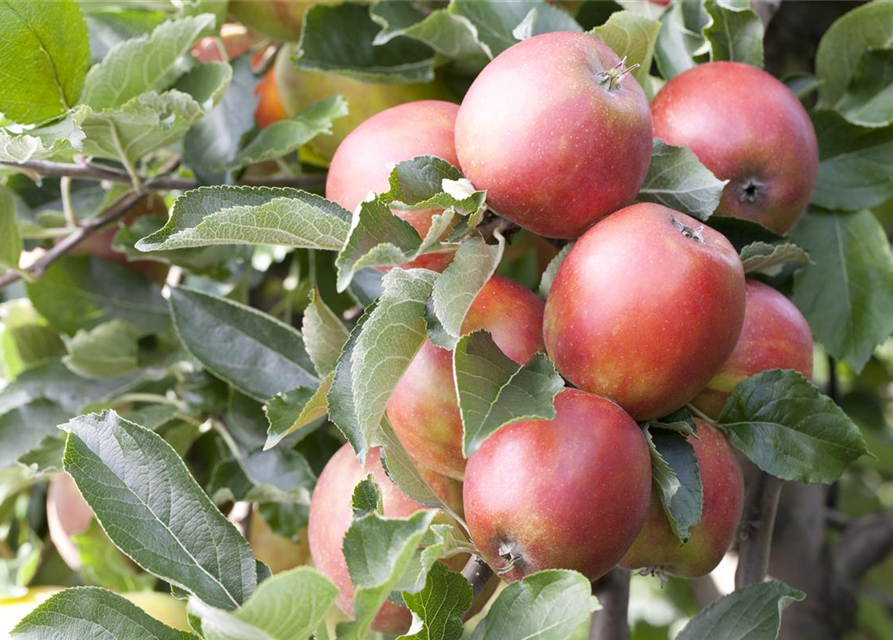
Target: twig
{"points": [[755, 533], [115, 212], [611, 623], [477, 572], [865, 543]]}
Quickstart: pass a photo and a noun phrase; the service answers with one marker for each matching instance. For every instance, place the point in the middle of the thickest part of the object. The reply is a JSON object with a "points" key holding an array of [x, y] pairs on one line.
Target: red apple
{"points": [[748, 128], [331, 514], [557, 132], [363, 162], [236, 40], [775, 335], [568, 493], [646, 309], [68, 514], [423, 408], [658, 547]]}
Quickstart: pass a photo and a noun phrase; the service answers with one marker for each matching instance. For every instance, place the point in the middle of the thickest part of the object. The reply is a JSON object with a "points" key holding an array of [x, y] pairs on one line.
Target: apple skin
{"points": [[769, 145], [775, 335], [68, 514], [424, 409], [269, 105], [278, 19], [554, 146], [568, 493], [644, 314], [363, 161], [278, 553], [657, 546], [299, 88], [331, 515]]}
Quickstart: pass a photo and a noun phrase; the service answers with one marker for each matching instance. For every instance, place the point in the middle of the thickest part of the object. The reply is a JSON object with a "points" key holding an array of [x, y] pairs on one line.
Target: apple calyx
{"points": [[692, 234], [615, 74], [509, 552], [750, 191]]}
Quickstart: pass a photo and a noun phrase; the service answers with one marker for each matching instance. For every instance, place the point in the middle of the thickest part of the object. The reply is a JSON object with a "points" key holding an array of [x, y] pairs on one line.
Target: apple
{"points": [[278, 553], [331, 515], [269, 105], [299, 88], [424, 409], [160, 606], [645, 309], [236, 40], [775, 335], [363, 162], [567, 493], [747, 128], [68, 514], [279, 19], [657, 547], [557, 131]]}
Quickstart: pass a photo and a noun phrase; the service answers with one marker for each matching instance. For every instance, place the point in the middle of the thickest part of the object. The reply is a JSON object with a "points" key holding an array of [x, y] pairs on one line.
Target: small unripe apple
{"points": [[68, 514], [364, 160], [657, 547], [645, 309], [747, 128], [269, 104], [567, 493], [557, 131], [278, 553], [775, 335], [331, 514], [424, 410]]}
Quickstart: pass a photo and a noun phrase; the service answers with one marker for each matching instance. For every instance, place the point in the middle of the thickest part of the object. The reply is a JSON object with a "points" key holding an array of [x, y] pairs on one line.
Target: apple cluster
{"points": [[649, 312]]}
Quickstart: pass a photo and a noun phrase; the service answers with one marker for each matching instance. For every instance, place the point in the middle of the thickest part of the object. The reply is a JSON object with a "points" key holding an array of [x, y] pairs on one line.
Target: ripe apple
{"points": [[269, 105], [278, 553], [658, 547], [645, 309], [568, 493], [299, 88], [363, 162], [68, 514], [331, 515], [424, 410], [557, 132], [775, 335], [748, 128]]}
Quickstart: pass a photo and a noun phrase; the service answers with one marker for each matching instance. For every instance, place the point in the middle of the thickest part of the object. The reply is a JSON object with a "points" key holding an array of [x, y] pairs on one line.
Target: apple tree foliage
{"points": [[276, 337]]}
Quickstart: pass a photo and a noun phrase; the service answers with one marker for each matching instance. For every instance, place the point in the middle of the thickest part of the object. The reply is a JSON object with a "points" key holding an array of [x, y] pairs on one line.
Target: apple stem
{"points": [[477, 572], [615, 74]]}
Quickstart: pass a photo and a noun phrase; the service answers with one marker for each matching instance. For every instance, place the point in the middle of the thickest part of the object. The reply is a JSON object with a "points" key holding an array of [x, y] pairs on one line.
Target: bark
{"points": [[611, 622]]}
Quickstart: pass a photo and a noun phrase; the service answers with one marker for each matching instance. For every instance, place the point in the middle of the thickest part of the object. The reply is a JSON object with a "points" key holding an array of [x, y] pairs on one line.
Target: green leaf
{"points": [[56, 139], [549, 605], [675, 471], [26, 340], [867, 27], [105, 351], [10, 242], [43, 59], [206, 83], [440, 605], [846, 293], [146, 63], [23, 429], [286, 136], [366, 498], [735, 32], [83, 292], [90, 613], [388, 339], [324, 334], [458, 287], [253, 215], [256, 353], [281, 475], [429, 182], [339, 39], [495, 391], [288, 606], [868, 100], [379, 551], [741, 232], [45, 458], [632, 37], [102, 565], [289, 411], [853, 163], [681, 39], [789, 429], [763, 604], [678, 180], [154, 511], [762, 257], [147, 122], [552, 270]]}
